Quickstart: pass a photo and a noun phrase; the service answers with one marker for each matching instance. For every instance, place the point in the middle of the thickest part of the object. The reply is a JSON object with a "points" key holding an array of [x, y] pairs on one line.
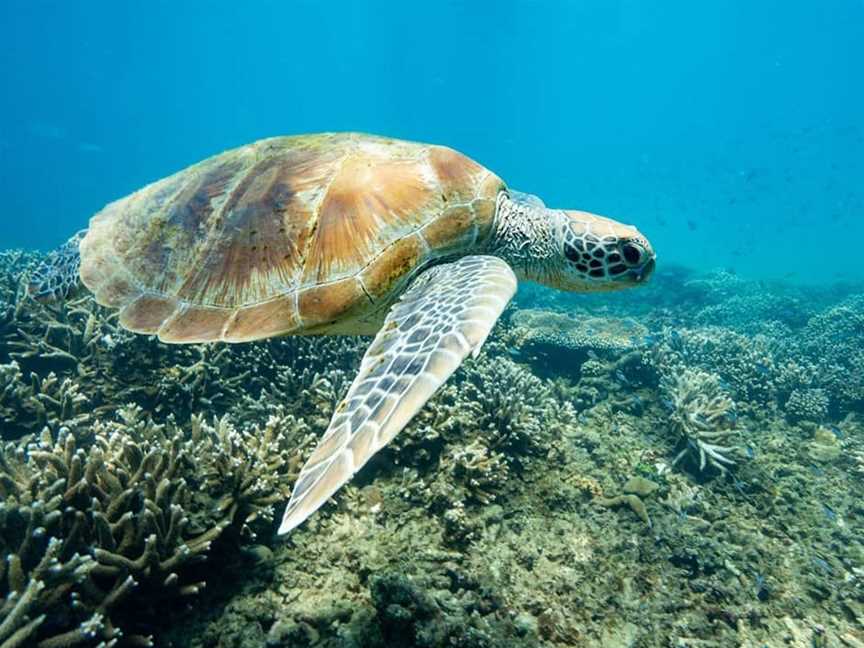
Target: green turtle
{"points": [[345, 234]]}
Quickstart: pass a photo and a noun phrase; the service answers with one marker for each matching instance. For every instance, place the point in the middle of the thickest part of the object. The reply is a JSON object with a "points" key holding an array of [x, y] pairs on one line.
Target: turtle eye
{"points": [[632, 253]]}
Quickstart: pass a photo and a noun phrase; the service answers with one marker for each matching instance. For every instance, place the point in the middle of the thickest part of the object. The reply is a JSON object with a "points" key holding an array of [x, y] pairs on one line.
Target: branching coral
{"points": [[29, 405], [487, 425], [124, 500], [702, 415], [807, 405], [477, 468], [833, 341], [745, 364], [517, 410], [250, 470], [60, 335], [98, 534]]}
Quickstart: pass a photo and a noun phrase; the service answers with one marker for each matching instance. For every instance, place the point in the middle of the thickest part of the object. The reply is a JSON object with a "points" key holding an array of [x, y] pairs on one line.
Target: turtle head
{"points": [[568, 249], [598, 253]]}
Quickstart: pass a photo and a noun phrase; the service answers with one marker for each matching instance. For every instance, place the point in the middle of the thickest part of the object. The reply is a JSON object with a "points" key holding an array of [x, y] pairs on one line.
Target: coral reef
{"points": [[674, 466]]}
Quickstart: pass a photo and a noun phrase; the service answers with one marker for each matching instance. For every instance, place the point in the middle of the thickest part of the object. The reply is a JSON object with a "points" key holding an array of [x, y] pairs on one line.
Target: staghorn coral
{"points": [[29, 405], [250, 470], [718, 283], [146, 501], [80, 339], [59, 335], [309, 376], [124, 500], [31, 591], [14, 265], [702, 415]]}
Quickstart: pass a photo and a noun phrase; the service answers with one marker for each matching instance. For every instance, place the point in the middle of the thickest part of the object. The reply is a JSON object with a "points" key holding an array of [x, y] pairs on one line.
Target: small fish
{"points": [[829, 512], [751, 453], [583, 418], [725, 386], [650, 340], [676, 336], [762, 369], [667, 403], [637, 401], [837, 431], [732, 417], [817, 470], [619, 375]]}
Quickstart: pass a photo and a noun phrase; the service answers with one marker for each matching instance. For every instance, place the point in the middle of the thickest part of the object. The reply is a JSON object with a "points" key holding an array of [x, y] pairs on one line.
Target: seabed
{"points": [[680, 465]]}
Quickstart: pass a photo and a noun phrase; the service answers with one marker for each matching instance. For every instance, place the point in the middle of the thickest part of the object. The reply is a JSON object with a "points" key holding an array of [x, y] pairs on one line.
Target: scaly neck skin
{"points": [[526, 235]]}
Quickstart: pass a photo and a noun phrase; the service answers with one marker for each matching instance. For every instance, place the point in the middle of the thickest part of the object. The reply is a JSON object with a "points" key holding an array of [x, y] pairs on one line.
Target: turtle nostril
{"points": [[632, 253]]}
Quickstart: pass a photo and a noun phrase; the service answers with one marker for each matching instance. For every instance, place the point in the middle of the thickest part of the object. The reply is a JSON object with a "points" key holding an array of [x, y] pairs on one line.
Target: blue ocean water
{"points": [[732, 133]]}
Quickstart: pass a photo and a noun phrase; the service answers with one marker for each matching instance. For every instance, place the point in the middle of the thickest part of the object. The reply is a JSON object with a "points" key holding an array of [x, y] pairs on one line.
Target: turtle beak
{"points": [[642, 274]]}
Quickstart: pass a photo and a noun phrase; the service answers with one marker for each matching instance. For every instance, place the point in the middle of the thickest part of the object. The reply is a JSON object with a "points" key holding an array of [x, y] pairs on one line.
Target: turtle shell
{"points": [[304, 234]]}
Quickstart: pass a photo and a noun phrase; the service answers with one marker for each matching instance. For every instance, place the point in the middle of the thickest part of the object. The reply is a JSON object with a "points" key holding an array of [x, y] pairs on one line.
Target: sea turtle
{"points": [[345, 233]]}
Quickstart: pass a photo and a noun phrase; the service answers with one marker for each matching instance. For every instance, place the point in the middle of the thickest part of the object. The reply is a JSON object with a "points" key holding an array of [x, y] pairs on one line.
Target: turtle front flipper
{"points": [[444, 315]]}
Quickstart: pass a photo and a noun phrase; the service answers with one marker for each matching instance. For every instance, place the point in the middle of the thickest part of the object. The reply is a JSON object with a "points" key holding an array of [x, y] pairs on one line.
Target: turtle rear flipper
{"points": [[444, 315], [56, 277]]}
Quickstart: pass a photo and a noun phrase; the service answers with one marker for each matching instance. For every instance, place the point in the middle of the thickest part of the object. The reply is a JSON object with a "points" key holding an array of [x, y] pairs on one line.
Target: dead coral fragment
{"points": [[703, 415], [633, 501]]}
